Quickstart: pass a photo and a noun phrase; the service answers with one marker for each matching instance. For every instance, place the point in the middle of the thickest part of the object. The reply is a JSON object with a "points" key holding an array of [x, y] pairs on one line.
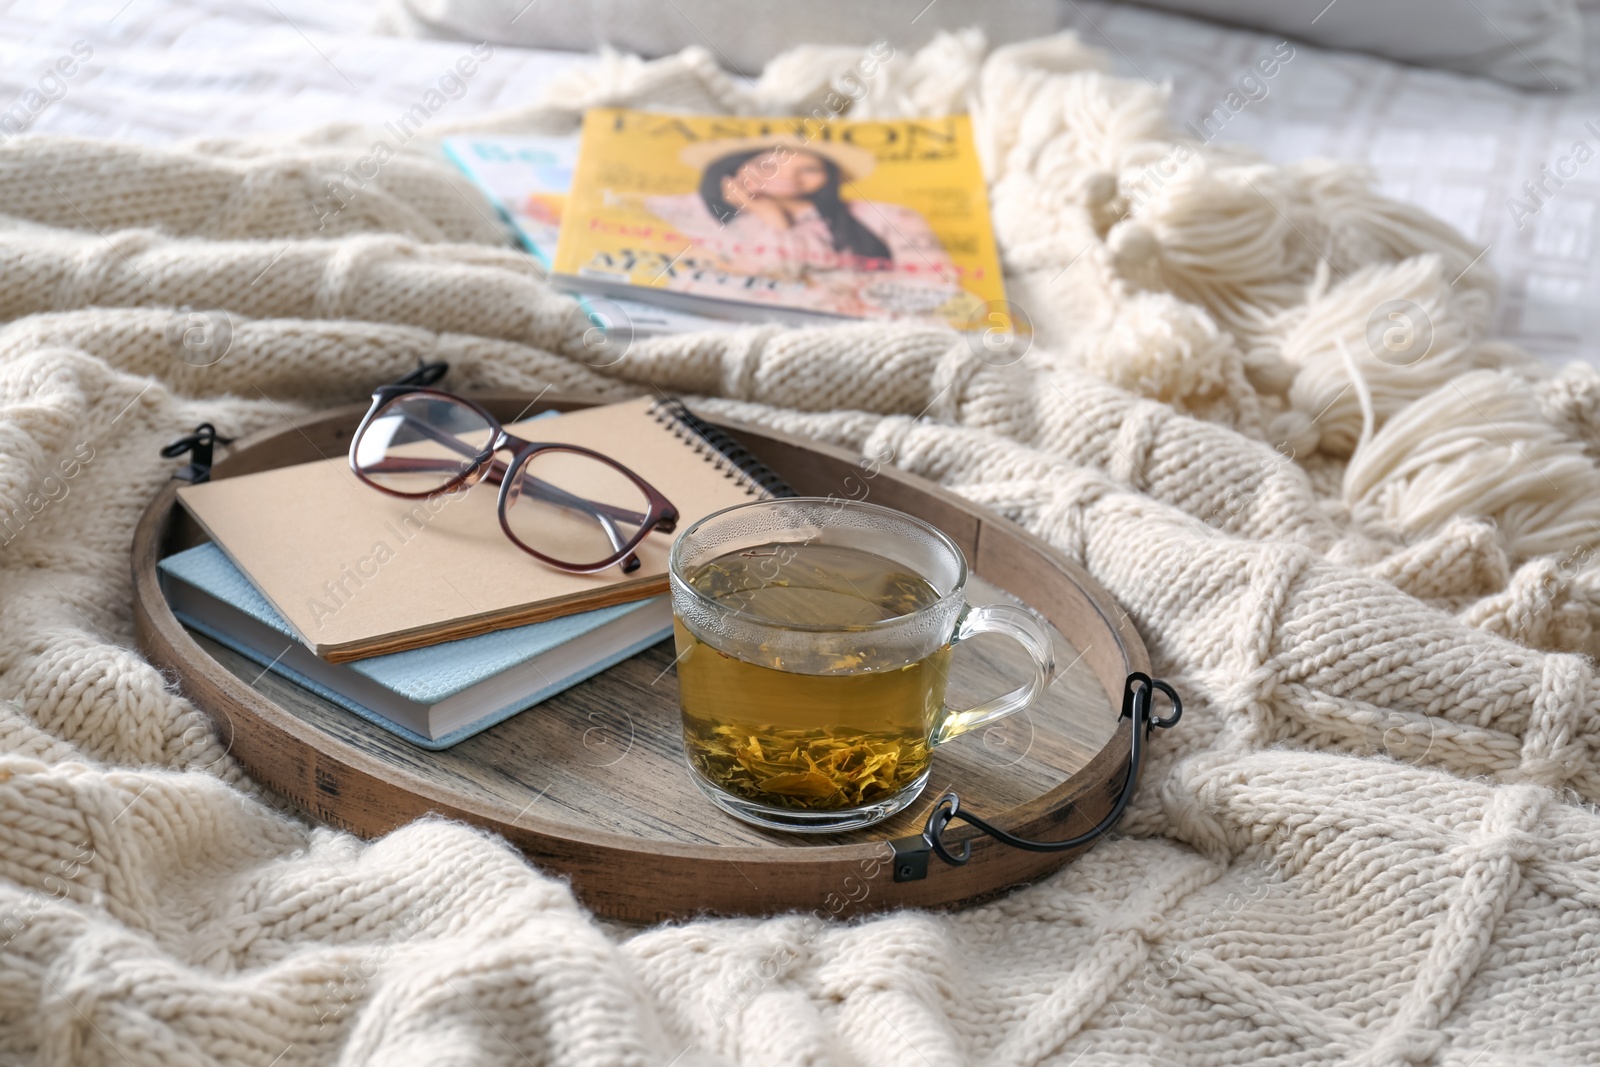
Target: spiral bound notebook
{"points": [[357, 573]]}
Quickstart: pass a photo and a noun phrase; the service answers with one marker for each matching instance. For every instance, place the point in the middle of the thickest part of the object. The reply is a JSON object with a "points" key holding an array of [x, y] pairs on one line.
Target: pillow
{"points": [[743, 34], [1534, 44]]}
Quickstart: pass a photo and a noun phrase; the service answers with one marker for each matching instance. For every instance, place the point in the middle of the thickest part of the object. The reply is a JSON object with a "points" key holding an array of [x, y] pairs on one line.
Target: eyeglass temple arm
{"points": [[602, 513]]}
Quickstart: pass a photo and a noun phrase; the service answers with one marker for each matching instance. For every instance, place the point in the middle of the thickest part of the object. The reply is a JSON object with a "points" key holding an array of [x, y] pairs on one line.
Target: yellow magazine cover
{"points": [[782, 218]]}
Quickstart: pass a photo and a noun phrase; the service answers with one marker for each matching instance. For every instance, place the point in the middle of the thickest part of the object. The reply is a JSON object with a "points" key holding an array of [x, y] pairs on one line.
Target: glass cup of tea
{"points": [[814, 639]]}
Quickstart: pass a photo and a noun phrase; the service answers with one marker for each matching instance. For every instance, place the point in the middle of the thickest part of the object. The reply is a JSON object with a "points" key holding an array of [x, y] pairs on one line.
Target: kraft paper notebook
{"points": [[357, 573]]}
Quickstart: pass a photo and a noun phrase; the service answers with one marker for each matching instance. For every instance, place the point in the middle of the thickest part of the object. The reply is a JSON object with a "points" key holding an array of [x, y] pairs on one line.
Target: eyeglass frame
{"points": [[661, 515]]}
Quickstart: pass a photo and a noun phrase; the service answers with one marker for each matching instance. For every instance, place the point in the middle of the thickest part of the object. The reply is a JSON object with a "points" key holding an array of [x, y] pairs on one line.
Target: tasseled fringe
{"points": [[1571, 401], [1014, 107], [1479, 445], [934, 80], [1353, 226], [1407, 331], [1231, 289], [1157, 346], [1218, 236]]}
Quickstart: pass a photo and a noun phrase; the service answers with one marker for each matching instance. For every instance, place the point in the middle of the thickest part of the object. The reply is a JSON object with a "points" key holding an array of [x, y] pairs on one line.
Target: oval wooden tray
{"points": [[592, 784]]}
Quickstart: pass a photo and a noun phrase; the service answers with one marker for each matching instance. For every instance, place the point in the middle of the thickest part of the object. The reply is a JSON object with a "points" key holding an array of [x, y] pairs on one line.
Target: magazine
{"points": [[782, 219], [527, 178]]}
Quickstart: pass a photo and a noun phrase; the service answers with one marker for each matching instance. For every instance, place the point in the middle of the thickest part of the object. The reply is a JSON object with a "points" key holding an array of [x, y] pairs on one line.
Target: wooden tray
{"points": [[592, 784]]}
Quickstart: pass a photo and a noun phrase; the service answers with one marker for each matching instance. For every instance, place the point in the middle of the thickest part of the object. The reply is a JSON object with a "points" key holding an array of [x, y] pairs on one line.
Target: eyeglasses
{"points": [[569, 507]]}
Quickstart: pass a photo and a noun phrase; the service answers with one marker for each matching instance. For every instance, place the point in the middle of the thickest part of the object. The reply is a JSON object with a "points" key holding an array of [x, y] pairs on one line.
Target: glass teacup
{"points": [[814, 640]]}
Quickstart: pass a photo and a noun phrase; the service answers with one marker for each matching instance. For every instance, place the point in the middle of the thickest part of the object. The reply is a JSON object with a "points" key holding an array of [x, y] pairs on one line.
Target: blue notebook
{"points": [[434, 696]]}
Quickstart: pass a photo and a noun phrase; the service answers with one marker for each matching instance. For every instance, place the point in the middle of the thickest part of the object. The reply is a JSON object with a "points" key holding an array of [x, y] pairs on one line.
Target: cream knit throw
{"points": [[1371, 841]]}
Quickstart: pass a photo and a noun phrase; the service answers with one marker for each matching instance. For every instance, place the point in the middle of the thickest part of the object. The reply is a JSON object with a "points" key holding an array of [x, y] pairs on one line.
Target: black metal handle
{"points": [[198, 447], [911, 853]]}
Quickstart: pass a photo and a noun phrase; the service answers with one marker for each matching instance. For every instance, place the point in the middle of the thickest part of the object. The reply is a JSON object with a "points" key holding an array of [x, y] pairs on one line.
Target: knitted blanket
{"points": [[1260, 408]]}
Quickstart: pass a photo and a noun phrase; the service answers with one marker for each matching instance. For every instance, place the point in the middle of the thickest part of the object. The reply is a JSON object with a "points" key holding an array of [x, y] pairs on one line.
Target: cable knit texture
{"points": [[1367, 562]]}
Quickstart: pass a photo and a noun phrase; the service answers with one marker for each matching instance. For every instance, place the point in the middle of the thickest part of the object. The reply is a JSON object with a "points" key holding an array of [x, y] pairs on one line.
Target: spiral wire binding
{"points": [[719, 448]]}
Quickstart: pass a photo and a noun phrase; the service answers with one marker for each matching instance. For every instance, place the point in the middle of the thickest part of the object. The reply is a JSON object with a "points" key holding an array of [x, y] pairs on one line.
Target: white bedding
{"points": [[169, 69], [1456, 145], [1371, 839]]}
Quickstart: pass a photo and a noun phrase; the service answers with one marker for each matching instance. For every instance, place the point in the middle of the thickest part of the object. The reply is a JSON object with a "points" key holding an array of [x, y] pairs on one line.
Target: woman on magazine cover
{"points": [[770, 213]]}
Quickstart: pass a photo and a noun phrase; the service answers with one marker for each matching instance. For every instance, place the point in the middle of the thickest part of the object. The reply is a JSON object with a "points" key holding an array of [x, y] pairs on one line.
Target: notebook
{"points": [[432, 697], [356, 573]]}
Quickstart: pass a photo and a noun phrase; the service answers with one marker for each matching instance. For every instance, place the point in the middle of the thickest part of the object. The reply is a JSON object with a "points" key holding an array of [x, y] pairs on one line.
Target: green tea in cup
{"points": [[814, 640]]}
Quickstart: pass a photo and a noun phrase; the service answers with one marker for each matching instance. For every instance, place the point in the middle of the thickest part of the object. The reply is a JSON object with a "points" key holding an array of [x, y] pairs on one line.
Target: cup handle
{"points": [[1016, 623]]}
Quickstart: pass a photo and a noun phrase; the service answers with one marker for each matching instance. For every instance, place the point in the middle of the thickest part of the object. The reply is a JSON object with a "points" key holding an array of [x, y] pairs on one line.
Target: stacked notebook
{"points": [[432, 696], [430, 622]]}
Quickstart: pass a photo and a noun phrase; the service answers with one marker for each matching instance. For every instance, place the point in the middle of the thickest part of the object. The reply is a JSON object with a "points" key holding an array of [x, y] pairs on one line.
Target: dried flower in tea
{"points": [[813, 770]]}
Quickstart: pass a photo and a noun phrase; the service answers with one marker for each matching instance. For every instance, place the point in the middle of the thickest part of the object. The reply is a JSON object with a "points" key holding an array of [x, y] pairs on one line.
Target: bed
{"points": [[1372, 839], [1462, 147]]}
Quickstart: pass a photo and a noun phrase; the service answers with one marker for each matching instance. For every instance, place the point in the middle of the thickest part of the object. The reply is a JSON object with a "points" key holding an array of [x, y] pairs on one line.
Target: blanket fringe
{"points": [[1479, 445]]}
